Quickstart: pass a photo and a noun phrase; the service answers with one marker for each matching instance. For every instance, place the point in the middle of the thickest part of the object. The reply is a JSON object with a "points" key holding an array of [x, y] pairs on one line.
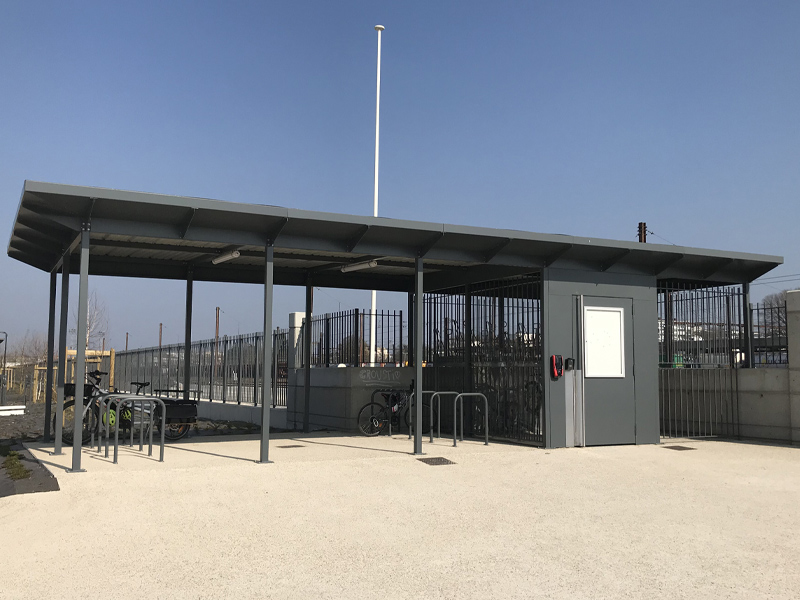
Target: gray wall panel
{"points": [[561, 287]]}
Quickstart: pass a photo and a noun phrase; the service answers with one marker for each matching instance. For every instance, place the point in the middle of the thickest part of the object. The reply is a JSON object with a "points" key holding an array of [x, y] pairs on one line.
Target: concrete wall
{"points": [[793, 331], [337, 394], [245, 413], [764, 408], [767, 399]]}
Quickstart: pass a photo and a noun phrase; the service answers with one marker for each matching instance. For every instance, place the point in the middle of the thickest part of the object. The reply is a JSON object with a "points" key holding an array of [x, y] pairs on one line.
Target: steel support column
{"points": [[748, 325], [468, 337], [266, 372], [80, 353], [51, 339], [418, 323], [307, 355], [187, 337], [62, 354], [411, 314]]}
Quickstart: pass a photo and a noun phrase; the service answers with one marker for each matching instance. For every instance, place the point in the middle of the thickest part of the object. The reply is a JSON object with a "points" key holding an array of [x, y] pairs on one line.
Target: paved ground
{"points": [[352, 517]]}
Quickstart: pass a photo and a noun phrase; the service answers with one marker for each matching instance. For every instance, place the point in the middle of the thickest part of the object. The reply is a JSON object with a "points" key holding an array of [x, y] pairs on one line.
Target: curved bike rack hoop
{"points": [[411, 397], [142, 400], [455, 415], [437, 397]]}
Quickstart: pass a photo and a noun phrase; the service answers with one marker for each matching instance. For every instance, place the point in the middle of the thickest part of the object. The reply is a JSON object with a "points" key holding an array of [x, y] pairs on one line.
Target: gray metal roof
{"points": [[137, 234]]}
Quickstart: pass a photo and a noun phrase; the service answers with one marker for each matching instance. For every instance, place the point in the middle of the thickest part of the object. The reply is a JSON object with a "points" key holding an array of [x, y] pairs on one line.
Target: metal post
{"points": [[418, 301], [411, 314], [51, 335], [187, 339], [373, 303], [80, 353], [467, 336], [62, 353], [224, 368], [748, 326], [240, 344], [307, 354], [266, 373]]}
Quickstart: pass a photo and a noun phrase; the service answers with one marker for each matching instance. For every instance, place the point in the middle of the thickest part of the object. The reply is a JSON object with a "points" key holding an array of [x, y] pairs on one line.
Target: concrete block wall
{"points": [[337, 394], [793, 331], [769, 398]]}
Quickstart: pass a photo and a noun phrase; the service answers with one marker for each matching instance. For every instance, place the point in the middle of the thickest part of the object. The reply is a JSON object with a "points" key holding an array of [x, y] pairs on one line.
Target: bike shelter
{"points": [[558, 333]]}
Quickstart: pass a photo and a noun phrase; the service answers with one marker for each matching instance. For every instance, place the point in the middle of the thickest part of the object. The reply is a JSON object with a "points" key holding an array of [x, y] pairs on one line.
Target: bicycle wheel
{"points": [[426, 418], [175, 431], [68, 424], [372, 419]]}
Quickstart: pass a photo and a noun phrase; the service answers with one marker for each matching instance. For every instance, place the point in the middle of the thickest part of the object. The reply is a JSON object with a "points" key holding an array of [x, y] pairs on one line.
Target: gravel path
{"points": [[355, 517]]}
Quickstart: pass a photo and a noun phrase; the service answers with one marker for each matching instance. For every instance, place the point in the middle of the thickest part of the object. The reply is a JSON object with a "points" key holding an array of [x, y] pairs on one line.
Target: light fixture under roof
{"points": [[370, 264], [227, 256]]}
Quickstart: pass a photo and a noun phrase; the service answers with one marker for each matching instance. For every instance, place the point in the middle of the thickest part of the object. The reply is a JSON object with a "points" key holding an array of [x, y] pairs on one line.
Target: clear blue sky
{"points": [[561, 117]]}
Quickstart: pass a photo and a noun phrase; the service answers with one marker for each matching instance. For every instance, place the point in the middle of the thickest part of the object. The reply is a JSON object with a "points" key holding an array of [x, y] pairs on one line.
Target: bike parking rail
{"points": [[455, 415], [411, 399], [133, 399], [437, 396]]}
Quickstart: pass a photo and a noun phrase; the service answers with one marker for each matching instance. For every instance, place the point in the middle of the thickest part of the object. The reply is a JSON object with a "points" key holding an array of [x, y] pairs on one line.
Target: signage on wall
{"points": [[604, 341]]}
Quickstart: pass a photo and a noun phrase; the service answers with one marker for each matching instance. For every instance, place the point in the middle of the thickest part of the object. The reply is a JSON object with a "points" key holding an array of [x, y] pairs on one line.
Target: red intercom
{"points": [[556, 366]]}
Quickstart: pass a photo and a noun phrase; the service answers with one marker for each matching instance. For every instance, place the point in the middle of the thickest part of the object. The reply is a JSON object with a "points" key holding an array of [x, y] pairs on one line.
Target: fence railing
{"points": [[342, 338], [770, 335], [226, 369], [710, 327]]}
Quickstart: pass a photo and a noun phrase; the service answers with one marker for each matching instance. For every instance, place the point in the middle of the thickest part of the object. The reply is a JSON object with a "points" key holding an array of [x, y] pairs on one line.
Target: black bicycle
{"points": [[374, 417], [181, 414]]}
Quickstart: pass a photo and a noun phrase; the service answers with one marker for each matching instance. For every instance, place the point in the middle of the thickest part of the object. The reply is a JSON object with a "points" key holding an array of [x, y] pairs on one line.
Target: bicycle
{"points": [[90, 415], [179, 419], [374, 417]]}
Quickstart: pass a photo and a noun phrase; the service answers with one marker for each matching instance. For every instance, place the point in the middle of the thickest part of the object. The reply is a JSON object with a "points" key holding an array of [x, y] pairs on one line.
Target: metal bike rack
{"points": [[411, 400], [133, 399], [437, 397], [455, 415]]}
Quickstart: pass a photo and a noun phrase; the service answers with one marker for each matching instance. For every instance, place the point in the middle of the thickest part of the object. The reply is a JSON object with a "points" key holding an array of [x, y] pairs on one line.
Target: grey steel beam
{"points": [[418, 324], [557, 254], [354, 241], [80, 354], [671, 261], [307, 355], [51, 335], [266, 371], [187, 337], [496, 250], [62, 356], [428, 246], [188, 223], [614, 260]]}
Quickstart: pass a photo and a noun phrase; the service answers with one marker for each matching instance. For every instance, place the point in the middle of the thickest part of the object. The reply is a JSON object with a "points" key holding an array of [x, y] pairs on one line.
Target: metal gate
{"points": [[701, 333], [487, 338]]}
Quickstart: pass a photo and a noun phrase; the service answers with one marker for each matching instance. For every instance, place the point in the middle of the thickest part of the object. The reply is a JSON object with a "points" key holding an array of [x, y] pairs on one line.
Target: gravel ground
{"points": [[360, 518]]}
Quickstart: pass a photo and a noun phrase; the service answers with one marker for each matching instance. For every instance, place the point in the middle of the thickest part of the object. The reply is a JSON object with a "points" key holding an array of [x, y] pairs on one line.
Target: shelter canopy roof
{"points": [[135, 234]]}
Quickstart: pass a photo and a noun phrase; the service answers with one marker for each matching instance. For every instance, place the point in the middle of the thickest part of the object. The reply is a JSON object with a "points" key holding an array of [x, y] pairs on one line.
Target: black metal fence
{"points": [[703, 338], [770, 335], [227, 369], [342, 338], [487, 338]]}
